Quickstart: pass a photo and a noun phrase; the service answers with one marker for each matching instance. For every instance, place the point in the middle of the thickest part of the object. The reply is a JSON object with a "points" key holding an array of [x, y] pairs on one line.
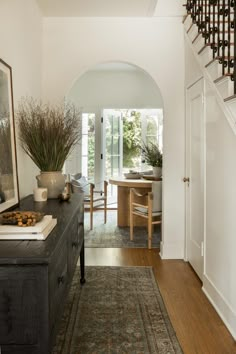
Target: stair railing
{"points": [[216, 22]]}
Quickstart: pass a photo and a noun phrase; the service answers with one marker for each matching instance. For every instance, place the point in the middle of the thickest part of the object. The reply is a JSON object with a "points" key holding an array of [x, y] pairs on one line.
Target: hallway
{"points": [[198, 327]]}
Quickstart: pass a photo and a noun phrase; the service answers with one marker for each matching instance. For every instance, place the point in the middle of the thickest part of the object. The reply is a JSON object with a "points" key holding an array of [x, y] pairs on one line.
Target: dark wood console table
{"points": [[35, 277]]}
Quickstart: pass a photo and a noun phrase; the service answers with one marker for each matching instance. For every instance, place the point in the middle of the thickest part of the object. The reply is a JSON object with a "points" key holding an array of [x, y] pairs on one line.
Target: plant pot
{"points": [[54, 181], [157, 172]]}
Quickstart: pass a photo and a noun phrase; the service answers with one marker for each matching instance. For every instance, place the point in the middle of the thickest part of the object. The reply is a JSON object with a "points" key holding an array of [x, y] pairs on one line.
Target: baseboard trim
{"points": [[221, 305], [171, 251]]}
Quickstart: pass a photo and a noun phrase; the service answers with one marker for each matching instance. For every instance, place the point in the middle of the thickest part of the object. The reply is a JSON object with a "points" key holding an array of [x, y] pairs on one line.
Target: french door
{"points": [[195, 180], [112, 142], [124, 130]]}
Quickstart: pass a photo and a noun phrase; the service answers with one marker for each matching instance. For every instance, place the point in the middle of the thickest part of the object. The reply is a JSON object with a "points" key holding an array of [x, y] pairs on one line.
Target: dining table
{"points": [[141, 185]]}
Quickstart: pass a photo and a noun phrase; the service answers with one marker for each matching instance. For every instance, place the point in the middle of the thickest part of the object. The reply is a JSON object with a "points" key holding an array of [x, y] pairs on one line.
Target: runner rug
{"points": [[112, 236], [118, 310]]}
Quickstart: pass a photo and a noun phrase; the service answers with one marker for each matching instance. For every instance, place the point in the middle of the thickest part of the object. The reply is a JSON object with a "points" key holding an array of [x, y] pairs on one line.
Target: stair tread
{"points": [[217, 31], [207, 45], [221, 78], [230, 98], [185, 17], [196, 37], [217, 58], [190, 27]]}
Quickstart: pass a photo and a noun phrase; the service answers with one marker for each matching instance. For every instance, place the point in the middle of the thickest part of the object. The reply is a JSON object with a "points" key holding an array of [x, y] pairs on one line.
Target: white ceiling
{"points": [[97, 8]]}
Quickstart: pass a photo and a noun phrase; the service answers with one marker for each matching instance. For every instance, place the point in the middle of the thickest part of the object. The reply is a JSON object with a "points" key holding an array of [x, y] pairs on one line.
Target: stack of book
{"points": [[40, 231]]}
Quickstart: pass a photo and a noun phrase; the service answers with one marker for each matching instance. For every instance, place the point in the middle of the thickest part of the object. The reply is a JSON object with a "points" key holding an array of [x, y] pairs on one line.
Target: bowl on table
{"points": [[132, 175]]}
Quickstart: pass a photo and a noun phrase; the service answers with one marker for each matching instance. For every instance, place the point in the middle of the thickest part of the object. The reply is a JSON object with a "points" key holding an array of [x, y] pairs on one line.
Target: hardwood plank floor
{"points": [[198, 327]]}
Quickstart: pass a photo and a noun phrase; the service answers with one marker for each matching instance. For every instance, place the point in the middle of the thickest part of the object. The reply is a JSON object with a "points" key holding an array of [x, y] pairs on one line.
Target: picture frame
{"points": [[9, 190]]}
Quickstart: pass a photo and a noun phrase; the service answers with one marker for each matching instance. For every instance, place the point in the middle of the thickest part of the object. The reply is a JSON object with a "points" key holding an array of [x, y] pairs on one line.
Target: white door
{"points": [[113, 148], [195, 173]]}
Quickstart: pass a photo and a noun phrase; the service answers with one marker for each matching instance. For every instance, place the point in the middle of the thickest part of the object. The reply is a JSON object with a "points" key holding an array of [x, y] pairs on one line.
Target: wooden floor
{"points": [[197, 325]]}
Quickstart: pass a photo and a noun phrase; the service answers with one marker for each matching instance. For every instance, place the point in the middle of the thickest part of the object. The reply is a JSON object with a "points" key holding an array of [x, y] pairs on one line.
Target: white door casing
{"points": [[195, 171]]}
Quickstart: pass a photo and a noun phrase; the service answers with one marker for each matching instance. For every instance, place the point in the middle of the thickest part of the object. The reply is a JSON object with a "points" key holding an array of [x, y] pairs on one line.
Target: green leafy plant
{"points": [[48, 133], [131, 139], [152, 154]]}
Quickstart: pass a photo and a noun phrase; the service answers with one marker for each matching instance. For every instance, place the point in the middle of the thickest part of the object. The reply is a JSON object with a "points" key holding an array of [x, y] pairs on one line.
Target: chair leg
{"points": [[105, 211], [131, 218], [105, 201], [150, 227], [91, 215], [131, 229], [149, 236]]}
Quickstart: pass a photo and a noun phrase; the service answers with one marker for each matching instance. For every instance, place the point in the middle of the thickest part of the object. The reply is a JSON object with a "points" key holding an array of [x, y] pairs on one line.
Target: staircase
{"points": [[210, 27]]}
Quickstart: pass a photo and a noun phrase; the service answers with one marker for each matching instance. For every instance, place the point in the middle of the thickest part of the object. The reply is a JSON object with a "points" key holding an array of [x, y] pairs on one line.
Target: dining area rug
{"points": [[118, 310], [109, 235]]}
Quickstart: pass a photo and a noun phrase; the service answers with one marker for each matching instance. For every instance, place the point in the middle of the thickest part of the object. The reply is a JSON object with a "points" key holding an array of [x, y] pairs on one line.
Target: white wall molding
{"points": [[221, 305], [230, 115], [171, 250]]}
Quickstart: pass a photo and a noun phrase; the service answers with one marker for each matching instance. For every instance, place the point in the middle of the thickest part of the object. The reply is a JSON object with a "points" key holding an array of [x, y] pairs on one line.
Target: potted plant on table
{"points": [[48, 134], [152, 155]]}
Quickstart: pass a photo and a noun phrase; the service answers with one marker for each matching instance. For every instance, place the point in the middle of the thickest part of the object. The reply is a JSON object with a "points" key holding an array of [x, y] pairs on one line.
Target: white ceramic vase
{"points": [[54, 181], [157, 172]]}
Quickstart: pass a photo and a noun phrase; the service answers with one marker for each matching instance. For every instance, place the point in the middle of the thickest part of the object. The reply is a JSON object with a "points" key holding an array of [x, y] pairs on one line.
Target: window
{"points": [[88, 145], [125, 129]]}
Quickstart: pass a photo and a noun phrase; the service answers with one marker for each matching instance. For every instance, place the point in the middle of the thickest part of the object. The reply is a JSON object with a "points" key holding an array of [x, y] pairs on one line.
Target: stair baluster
{"points": [[216, 21], [213, 46], [229, 37], [219, 41], [223, 38], [234, 26]]}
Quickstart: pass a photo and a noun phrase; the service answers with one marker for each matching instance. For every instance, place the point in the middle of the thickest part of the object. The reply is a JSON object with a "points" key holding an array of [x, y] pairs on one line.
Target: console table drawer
{"points": [[74, 244], [19, 295], [58, 281]]}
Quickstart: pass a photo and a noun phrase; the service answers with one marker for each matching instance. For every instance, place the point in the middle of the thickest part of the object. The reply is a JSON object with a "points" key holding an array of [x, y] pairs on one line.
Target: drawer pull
{"points": [[75, 244], [60, 280]]}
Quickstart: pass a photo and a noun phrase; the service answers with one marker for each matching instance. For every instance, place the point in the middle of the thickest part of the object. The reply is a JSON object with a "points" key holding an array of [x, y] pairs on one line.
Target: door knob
{"points": [[186, 179]]}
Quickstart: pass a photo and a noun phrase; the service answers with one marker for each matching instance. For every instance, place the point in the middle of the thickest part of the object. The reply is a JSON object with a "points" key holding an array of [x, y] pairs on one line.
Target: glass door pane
{"points": [[113, 139], [131, 140], [88, 145], [152, 129], [112, 147]]}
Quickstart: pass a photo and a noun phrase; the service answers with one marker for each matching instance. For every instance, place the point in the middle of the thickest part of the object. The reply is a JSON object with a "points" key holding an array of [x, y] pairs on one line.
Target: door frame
{"points": [[187, 170]]}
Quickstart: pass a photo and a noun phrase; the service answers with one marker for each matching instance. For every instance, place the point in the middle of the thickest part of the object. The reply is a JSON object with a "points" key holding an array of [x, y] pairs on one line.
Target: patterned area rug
{"points": [[112, 236], [118, 310]]}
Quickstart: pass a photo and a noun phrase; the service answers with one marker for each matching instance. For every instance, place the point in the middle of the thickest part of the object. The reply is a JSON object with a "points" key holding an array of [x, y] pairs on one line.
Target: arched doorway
{"points": [[115, 98]]}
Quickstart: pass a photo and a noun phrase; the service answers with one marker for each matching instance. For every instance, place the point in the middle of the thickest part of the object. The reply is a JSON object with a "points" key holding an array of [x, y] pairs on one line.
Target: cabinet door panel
{"points": [[18, 307], [73, 245], [58, 282]]}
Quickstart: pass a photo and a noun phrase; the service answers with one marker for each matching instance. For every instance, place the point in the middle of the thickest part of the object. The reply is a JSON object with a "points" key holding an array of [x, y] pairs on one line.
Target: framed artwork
{"points": [[9, 191]]}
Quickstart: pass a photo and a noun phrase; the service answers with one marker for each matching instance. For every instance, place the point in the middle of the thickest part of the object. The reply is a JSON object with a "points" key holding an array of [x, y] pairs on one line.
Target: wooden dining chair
{"points": [[151, 210], [93, 198]]}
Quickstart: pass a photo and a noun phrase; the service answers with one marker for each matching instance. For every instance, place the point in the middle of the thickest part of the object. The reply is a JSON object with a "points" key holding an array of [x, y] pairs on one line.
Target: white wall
{"points": [[170, 8], [219, 281], [119, 88], [20, 47], [73, 46]]}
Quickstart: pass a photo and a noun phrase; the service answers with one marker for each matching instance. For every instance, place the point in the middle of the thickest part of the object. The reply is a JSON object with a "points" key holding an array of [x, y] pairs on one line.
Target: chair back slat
{"points": [[157, 196]]}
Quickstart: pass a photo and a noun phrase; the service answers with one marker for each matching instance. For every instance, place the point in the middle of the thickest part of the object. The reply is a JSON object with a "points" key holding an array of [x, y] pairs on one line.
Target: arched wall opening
{"points": [[116, 86]]}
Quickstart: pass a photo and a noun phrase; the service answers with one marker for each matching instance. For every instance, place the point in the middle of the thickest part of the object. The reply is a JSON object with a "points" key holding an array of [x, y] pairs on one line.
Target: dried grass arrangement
{"points": [[48, 133]]}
